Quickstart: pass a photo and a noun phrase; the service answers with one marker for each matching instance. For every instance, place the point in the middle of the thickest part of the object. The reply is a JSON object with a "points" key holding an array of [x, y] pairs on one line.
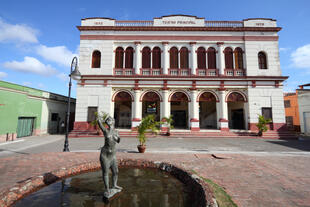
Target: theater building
{"points": [[210, 75]]}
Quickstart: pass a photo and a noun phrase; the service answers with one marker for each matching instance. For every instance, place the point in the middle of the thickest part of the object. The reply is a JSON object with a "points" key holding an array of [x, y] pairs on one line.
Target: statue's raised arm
{"points": [[103, 129]]}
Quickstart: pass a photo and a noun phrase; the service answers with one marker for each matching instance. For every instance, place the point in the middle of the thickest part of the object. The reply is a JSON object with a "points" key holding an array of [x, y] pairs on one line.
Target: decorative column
{"points": [[166, 58], [223, 113], [138, 59], [193, 57], [194, 112], [165, 107], [136, 108], [220, 59]]}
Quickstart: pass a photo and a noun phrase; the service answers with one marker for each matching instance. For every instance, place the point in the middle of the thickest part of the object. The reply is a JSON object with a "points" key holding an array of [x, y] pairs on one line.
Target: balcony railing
{"points": [[179, 72], [235, 72], [223, 23], [207, 72], [124, 23], [124, 71], [151, 71], [134, 23]]}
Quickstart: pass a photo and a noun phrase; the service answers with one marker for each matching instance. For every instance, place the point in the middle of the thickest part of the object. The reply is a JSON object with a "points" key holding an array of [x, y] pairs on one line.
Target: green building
{"points": [[26, 111]]}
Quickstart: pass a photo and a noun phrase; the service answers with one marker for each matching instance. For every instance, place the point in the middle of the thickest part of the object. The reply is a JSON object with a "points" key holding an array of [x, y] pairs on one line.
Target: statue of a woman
{"points": [[108, 156]]}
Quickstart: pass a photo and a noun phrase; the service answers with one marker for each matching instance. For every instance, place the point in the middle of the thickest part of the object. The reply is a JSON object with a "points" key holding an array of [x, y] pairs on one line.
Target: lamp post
{"points": [[76, 75]]}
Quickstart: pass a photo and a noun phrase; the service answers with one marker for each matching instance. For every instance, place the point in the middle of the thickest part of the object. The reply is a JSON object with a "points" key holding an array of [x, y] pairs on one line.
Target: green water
{"points": [[141, 188]]}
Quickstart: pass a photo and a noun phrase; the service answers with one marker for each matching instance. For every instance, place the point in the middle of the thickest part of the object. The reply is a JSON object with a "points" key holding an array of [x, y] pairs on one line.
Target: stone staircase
{"points": [[188, 134]]}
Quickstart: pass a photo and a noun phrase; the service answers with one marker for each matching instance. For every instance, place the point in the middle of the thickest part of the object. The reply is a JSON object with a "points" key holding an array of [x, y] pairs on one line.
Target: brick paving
{"points": [[250, 180]]}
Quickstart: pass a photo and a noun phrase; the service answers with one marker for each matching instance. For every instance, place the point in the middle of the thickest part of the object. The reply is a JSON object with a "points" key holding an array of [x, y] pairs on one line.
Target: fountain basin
{"points": [[199, 190]]}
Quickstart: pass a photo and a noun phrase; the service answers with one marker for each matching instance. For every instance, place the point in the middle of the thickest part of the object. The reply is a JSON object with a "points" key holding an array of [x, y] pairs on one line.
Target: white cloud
{"points": [[301, 57], [284, 49], [17, 33], [58, 54], [3, 75], [63, 76], [31, 65]]}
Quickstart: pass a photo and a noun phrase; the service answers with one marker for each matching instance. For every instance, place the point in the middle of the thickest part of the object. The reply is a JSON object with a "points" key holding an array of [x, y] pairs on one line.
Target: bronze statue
{"points": [[108, 156]]}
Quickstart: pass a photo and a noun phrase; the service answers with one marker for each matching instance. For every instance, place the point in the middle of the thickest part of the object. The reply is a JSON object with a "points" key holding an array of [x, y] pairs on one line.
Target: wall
{"points": [[266, 97], [293, 110], [18, 101], [304, 106]]}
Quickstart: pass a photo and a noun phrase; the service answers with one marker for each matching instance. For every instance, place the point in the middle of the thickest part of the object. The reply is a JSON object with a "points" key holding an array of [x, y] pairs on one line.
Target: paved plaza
{"points": [[255, 172]]}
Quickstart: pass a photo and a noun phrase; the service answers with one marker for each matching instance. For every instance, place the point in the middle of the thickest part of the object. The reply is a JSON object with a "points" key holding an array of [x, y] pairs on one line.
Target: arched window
{"points": [[238, 58], [119, 57], [262, 60], [156, 56], [129, 57], [146, 57], [96, 57], [211, 58], [228, 58], [201, 58], [174, 58], [184, 58]]}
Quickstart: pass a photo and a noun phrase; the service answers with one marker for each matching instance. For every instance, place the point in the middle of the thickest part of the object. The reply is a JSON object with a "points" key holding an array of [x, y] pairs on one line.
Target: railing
{"points": [[235, 72], [223, 23], [124, 23], [134, 23], [207, 72], [151, 71], [123, 71], [179, 72]]}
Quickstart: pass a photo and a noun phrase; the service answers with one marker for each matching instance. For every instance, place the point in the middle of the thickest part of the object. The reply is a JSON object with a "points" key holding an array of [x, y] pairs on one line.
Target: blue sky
{"points": [[39, 38]]}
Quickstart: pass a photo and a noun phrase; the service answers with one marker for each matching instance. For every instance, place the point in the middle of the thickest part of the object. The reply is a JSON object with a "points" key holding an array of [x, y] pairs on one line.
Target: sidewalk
{"points": [[250, 180]]}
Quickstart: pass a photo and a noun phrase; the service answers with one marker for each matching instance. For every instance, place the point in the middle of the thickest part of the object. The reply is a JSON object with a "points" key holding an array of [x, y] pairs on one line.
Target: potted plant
{"points": [[147, 124], [262, 125], [102, 116], [168, 121]]}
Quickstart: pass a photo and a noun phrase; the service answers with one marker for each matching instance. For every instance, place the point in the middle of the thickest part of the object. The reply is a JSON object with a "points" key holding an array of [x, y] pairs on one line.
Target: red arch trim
{"points": [[126, 91], [239, 92], [145, 92], [208, 91], [188, 97]]}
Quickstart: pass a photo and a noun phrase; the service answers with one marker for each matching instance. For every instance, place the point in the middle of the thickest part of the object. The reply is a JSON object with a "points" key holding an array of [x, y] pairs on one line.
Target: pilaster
{"points": [[166, 58], [138, 59], [137, 109], [220, 58], [223, 113], [194, 121]]}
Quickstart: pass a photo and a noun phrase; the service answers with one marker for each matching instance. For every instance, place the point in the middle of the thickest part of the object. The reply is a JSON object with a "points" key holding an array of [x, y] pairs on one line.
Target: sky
{"points": [[38, 38]]}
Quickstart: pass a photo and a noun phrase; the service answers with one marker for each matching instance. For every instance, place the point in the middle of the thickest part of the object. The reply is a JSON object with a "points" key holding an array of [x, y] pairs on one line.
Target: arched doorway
{"points": [[207, 111], [151, 105], [179, 110], [235, 105], [122, 110]]}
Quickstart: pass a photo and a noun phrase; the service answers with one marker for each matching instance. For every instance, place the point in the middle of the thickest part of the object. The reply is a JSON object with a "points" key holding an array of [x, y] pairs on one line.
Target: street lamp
{"points": [[76, 75]]}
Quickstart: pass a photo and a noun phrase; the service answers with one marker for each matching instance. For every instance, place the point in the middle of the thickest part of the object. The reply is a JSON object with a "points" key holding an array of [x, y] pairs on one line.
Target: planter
{"points": [[141, 148], [260, 133]]}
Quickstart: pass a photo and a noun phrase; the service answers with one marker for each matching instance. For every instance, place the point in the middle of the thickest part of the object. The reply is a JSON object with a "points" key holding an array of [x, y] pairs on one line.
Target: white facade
{"points": [[304, 110], [253, 88]]}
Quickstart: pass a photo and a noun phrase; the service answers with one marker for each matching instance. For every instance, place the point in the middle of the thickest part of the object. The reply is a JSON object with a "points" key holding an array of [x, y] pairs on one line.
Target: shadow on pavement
{"points": [[6, 150], [303, 145]]}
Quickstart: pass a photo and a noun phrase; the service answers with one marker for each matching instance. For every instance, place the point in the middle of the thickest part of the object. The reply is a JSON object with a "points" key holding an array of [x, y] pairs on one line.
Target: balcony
{"points": [[207, 72], [179, 72], [124, 71], [151, 71], [235, 72]]}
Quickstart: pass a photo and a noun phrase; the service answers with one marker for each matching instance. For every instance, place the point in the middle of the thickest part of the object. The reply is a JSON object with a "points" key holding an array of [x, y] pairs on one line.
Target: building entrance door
{"points": [[179, 110], [122, 110], [179, 119], [25, 126], [237, 119]]}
